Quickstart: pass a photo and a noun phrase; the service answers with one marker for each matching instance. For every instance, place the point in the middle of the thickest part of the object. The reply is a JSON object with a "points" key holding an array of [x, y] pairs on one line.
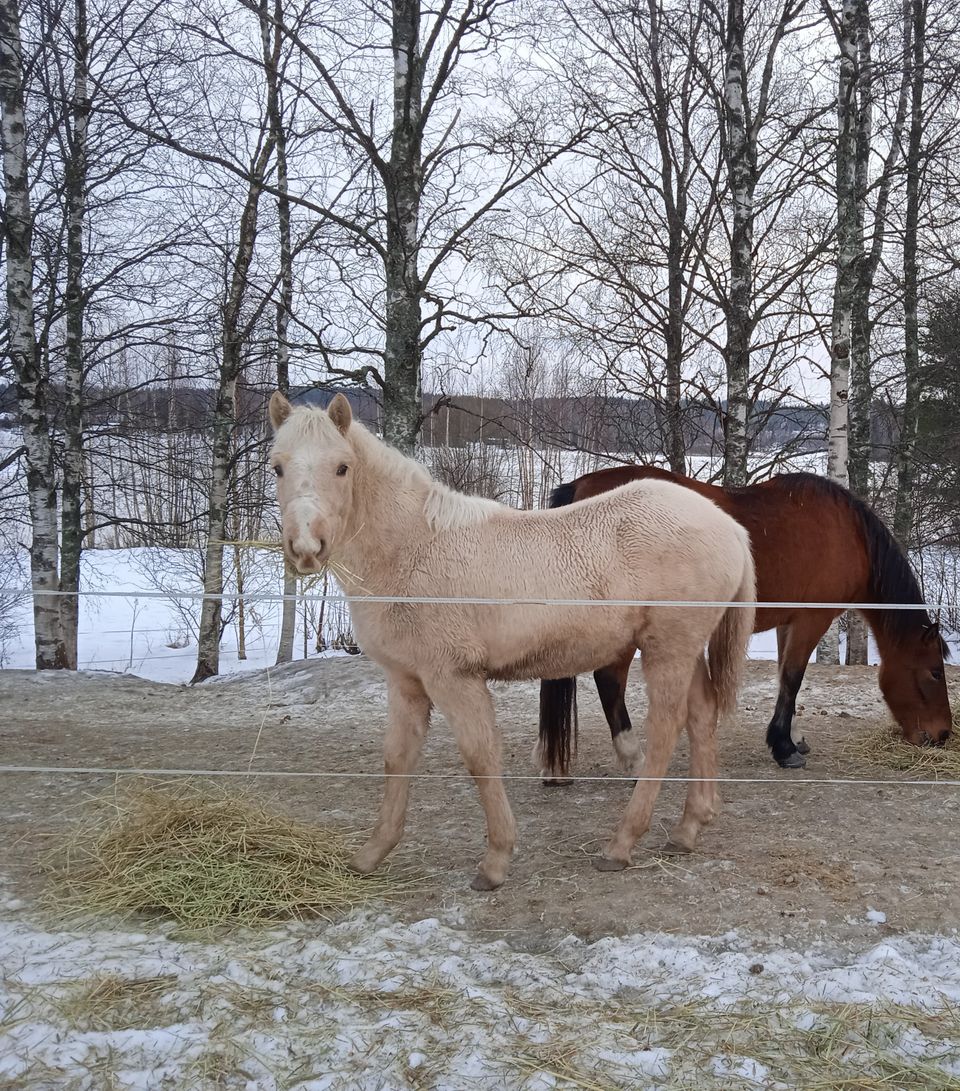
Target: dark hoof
{"points": [[795, 760], [482, 881], [802, 746], [671, 848], [604, 863], [557, 782]]}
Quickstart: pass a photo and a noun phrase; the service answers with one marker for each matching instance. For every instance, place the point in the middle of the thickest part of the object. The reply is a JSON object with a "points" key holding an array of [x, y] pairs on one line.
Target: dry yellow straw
{"points": [[205, 856]]}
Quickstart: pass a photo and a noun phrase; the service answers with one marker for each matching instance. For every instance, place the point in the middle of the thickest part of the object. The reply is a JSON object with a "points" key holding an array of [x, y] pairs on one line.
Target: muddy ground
{"points": [[786, 858]]}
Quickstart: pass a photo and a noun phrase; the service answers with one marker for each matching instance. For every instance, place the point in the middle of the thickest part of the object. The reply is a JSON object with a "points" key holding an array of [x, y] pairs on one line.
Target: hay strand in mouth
{"points": [[205, 856]]}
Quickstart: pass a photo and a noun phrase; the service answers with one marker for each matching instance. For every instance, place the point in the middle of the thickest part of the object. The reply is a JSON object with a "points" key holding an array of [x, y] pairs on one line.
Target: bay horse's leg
{"points": [[468, 708], [668, 677], [611, 686], [703, 796], [783, 631], [802, 637], [408, 715]]}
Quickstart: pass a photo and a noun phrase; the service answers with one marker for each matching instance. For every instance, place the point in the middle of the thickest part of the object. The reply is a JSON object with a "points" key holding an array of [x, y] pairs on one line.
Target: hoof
{"points": [[604, 863], [557, 782], [361, 866], [796, 760], [482, 881], [803, 746], [671, 848]]}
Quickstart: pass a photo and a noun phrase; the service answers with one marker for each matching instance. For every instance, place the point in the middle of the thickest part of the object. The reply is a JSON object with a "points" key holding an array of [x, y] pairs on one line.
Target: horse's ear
{"points": [[340, 413], [932, 631], [280, 409]]}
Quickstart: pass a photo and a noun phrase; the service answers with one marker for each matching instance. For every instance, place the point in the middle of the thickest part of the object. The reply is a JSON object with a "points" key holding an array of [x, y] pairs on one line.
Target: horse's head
{"points": [[314, 464], [913, 684]]}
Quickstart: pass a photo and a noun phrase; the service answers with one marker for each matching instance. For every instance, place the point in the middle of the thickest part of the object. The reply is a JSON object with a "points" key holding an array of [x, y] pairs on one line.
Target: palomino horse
{"points": [[348, 499], [813, 541]]}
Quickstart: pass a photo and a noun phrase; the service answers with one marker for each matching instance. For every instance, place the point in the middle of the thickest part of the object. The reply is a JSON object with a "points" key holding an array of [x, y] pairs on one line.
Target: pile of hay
{"points": [[204, 857], [884, 747]]}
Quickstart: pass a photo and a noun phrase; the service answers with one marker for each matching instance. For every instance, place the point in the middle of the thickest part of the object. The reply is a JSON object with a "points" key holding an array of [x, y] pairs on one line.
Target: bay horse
{"points": [[813, 541], [348, 500]]}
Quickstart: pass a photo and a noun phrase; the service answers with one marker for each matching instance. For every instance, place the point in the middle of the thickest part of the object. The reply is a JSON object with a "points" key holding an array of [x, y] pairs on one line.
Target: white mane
{"points": [[444, 508]]}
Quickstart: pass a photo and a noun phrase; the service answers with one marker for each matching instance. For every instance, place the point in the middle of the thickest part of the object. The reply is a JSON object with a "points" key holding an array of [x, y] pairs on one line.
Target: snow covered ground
{"points": [[372, 1003], [127, 625]]}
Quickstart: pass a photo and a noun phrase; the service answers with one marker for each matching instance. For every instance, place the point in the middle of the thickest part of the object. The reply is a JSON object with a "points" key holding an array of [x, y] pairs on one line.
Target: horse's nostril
{"points": [[322, 549]]}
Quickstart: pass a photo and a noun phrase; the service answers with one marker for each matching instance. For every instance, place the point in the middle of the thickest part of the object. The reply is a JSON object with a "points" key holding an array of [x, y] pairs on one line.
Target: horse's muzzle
{"points": [[306, 559]]}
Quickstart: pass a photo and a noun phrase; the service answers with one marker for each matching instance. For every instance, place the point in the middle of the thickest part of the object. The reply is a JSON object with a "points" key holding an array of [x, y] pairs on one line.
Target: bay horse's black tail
{"points": [[558, 726], [558, 696]]}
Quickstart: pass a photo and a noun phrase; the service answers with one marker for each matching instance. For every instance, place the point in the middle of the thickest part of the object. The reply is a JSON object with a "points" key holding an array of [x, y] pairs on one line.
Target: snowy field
{"points": [[372, 1003], [829, 982], [126, 623]]}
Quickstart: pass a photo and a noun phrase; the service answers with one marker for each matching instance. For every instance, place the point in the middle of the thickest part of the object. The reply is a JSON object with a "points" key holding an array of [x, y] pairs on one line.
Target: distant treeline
{"points": [[593, 422]]}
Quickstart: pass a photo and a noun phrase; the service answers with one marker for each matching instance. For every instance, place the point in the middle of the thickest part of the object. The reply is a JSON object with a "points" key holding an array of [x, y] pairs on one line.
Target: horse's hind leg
{"points": [[611, 686], [668, 683], [802, 635], [408, 715], [468, 708], [703, 796]]}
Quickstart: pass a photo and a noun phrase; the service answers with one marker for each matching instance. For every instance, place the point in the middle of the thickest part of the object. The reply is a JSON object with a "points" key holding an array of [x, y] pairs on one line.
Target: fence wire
{"points": [[791, 782], [469, 600]]}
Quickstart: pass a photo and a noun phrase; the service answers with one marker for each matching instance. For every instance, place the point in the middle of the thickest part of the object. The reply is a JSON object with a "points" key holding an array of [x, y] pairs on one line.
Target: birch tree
{"points": [[640, 228], [23, 350], [744, 120], [235, 332], [75, 188], [270, 44], [849, 234], [427, 184], [906, 450]]}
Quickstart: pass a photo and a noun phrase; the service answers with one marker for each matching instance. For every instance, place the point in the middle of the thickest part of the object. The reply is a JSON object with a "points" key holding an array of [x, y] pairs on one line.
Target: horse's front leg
{"points": [[467, 706], [408, 714]]}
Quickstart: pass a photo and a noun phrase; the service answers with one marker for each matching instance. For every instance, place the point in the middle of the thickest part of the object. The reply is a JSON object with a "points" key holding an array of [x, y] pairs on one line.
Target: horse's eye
{"points": [[278, 470], [342, 469], [937, 675]]}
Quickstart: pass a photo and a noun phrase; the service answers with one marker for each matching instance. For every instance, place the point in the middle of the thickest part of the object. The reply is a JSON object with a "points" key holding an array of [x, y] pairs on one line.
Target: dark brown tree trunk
{"points": [[402, 410], [224, 422]]}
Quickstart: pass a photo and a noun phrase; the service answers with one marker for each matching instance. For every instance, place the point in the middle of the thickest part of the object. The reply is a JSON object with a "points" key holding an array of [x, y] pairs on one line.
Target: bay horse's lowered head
{"points": [[912, 651], [912, 678], [314, 480]]}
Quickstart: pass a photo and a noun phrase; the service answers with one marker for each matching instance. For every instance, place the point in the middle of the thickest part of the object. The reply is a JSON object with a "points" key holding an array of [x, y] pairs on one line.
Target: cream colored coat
{"points": [[387, 529]]}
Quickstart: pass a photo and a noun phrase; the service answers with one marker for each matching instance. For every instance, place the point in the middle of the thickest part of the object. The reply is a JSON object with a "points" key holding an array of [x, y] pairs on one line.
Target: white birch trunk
{"points": [[271, 41], [22, 346], [906, 448], [71, 516], [849, 252], [741, 176]]}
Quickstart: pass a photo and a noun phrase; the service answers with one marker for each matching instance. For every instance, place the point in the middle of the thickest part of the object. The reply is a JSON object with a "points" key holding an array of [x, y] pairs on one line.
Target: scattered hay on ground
{"points": [[110, 1002], [204, 856], [813, 1045], [885, 748]]}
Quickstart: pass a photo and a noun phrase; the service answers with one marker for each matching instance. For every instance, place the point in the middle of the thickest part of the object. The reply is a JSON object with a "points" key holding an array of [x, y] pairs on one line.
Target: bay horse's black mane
{"points": [[891, 577]]}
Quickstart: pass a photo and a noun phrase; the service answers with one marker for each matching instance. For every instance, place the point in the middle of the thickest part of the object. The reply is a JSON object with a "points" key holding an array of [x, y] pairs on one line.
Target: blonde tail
{"points": [[727, 649]]}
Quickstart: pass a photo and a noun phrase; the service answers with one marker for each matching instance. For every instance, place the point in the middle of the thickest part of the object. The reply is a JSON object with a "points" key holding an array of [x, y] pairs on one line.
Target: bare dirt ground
{"points": [[786, 859]]}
